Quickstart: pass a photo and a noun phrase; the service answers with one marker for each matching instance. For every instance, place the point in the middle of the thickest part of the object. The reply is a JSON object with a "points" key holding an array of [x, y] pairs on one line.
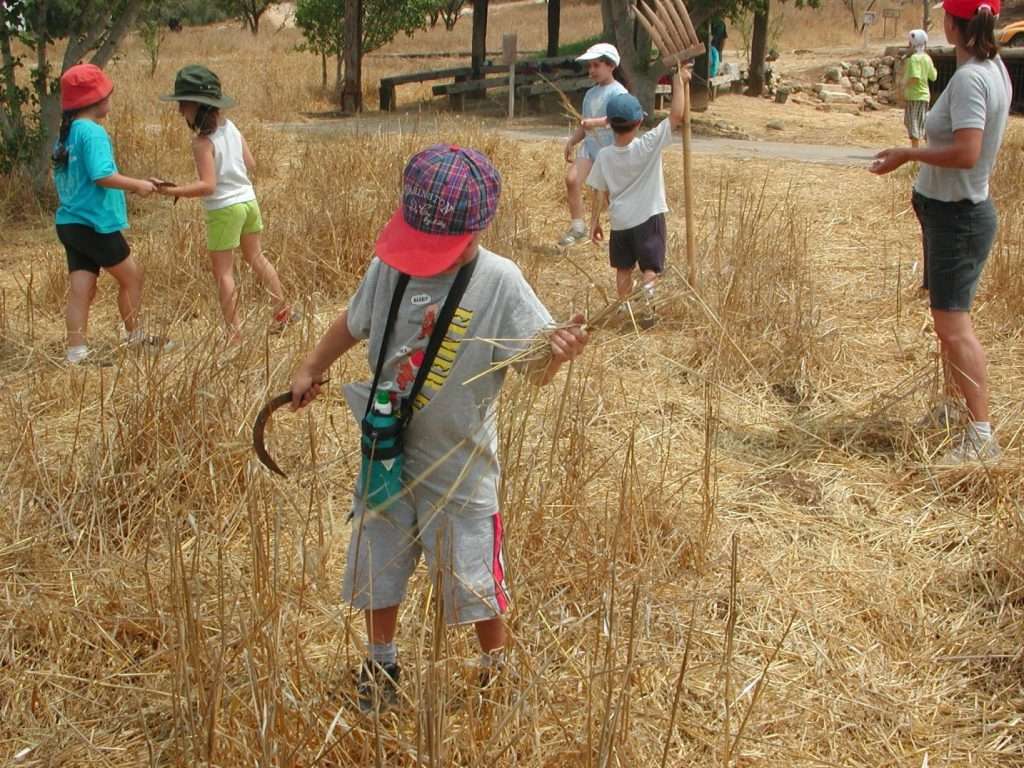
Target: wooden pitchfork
{"points": [[668, 23]]}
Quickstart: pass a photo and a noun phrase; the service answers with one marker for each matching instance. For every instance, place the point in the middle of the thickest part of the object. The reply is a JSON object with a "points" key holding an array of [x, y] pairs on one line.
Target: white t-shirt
{"points": [[632, 177], [233, 185], [978, 96]]}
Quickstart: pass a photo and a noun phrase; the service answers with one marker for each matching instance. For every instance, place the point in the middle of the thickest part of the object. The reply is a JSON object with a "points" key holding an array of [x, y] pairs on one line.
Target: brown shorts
{"points": [[642, 246]]}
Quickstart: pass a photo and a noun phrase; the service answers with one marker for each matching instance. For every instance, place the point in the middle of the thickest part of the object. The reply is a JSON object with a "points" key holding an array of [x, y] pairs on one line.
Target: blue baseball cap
{"points": [[625, 108]]}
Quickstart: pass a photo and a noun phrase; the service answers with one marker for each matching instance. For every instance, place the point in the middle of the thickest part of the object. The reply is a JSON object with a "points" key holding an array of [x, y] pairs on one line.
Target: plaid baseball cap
{"points": [[449, 193]]}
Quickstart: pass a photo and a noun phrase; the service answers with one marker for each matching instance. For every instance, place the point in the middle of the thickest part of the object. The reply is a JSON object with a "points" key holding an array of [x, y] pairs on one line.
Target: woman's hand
{"points": [[888, 160]]}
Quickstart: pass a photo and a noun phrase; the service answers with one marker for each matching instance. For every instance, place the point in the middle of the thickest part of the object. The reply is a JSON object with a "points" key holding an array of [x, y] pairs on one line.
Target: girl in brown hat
{"points": [[224, 162]]}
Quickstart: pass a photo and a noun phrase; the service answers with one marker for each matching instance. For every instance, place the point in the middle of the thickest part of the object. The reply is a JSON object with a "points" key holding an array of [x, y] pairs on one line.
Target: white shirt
{"points": [[233, 185], [977, 96], [595, 104], [632, 177]]}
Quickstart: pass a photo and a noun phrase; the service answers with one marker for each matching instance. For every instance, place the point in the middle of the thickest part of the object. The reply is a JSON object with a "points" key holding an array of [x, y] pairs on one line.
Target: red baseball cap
{"points": [[449, 193], [965, 9], [82, 86]]}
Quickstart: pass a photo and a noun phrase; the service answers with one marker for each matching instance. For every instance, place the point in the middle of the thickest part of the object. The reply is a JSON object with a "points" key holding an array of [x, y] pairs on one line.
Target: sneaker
{"points": [[943, 416], [377, 686], [970, 449], [154, 345], [76, 355], [283, 319], [647, 320], [573, 237]]}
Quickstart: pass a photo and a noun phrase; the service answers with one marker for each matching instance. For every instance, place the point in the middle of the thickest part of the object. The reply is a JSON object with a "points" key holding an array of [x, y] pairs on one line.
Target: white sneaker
{"points": [[152, 344], [573, 237], [970, 449], [76, 355]]}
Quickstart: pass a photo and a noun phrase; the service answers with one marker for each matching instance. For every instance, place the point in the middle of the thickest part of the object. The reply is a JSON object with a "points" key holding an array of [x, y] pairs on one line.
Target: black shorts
{"points": [[642, 245], [957, 239], [91, 251]]}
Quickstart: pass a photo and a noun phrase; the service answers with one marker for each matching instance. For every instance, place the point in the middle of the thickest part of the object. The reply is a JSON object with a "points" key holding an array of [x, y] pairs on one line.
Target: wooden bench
{"points": [[663, 91], [529, 96], [463, 85]]}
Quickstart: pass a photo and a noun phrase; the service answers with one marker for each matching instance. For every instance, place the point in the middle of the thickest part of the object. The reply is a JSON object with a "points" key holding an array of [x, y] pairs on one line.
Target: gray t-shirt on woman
{"points": [[451, 446], [977, 96]]}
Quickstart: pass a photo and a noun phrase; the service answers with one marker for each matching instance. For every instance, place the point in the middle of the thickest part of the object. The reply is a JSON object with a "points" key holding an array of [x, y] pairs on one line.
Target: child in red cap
{"points": [[448, 510], [92, 213]]}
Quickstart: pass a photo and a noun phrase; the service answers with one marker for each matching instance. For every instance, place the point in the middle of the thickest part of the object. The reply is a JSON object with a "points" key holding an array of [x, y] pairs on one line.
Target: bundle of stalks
{"points": [[538, 352]]}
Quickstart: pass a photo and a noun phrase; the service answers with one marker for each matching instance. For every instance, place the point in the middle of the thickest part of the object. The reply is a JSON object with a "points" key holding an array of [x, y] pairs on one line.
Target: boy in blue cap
{"points": [[628, 176]]}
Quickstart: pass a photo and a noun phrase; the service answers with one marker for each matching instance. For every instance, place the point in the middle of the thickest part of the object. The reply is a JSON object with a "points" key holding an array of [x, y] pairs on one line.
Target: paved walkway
{"points": [[821, 154]]}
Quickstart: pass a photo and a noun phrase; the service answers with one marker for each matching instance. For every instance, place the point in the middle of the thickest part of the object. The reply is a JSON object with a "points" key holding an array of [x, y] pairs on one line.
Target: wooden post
{"points": [[352, 91], [509, 44], [554, 22], [479, 53], [691, 247]]}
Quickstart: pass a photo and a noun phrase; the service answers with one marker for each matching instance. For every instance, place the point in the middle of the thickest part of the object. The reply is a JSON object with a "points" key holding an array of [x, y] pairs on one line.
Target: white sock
{"points": [[982, 430], [649, 291], [493, 660], [77, 353], [135, 336], [578, 225], [384, 653]]}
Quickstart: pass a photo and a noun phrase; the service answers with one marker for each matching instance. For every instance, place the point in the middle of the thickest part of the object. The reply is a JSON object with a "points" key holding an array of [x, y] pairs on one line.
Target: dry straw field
{"points": [[725, 542]]}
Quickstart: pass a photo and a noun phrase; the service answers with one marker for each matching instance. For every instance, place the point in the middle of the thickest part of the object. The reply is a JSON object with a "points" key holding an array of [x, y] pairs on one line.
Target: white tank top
{"points": [[233, 185]]}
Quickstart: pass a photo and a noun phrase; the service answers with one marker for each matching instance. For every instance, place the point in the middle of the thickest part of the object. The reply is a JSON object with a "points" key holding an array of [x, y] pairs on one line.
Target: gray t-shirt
{"points": [[595, 104], [453, 424], [977, 96], [632, 176]]}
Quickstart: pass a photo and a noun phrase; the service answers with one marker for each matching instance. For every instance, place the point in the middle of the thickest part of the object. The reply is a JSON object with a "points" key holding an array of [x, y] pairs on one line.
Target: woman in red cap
{"points": [[92, 211], [958, 220]]}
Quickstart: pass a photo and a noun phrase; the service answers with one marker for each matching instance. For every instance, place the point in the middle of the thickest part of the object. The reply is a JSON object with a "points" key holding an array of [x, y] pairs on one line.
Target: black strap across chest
{"points": [[444, 320]]}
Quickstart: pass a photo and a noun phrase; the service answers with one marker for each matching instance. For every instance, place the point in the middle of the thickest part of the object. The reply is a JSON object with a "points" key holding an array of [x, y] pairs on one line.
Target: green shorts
{"points": [[225, 226]]}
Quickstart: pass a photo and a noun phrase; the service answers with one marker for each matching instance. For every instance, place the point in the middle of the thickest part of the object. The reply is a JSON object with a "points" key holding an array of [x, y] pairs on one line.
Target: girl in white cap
{"points": [[917, 73], [603, 67]]}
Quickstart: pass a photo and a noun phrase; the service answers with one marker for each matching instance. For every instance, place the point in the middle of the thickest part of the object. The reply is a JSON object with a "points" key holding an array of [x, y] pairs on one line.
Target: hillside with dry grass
{"points": [[726, 545]]}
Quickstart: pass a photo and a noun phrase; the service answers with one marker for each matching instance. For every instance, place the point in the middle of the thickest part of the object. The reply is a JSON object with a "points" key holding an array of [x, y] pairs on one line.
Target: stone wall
{"points": [[881, 78]]}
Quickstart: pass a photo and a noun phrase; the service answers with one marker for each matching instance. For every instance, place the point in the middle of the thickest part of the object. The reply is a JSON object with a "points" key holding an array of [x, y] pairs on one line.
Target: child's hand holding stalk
{"points": [[566, 344]]}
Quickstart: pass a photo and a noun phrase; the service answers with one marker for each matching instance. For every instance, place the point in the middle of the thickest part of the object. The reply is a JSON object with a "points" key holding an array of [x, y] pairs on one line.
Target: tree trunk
{"points": [[554, 22], [479, 36], [607, 24], [323, 71], [926, 15], [352, 92], [758, 50], [634, 46]]}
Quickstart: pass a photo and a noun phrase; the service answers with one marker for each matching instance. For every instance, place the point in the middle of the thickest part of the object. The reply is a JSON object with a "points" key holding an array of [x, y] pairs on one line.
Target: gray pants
{"points": [[464, 552]]}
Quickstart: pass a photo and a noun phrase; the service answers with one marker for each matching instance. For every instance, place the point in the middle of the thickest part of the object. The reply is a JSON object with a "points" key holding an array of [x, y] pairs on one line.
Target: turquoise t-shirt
{"points": [[82, 201]]}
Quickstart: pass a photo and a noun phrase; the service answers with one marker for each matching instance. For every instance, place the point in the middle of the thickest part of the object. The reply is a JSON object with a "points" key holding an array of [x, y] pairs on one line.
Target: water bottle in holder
{"points": [[380, 472]]}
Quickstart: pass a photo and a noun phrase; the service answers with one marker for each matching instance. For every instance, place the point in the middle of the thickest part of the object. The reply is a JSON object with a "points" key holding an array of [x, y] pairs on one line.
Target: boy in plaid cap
{"points": [[449, 510]]}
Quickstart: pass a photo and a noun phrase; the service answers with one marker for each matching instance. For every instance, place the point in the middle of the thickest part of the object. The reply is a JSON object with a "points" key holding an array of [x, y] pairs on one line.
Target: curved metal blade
{"points": [[260, 425]]}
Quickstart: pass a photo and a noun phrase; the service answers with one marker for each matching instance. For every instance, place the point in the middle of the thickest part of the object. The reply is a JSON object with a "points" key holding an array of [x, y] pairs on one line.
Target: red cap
{"points": [[965, 9], [82, 86]]}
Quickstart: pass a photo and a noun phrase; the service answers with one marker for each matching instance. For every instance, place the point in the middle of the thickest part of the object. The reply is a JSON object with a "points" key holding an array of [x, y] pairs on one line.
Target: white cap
{"points": [[598, 50], [918, 39]]}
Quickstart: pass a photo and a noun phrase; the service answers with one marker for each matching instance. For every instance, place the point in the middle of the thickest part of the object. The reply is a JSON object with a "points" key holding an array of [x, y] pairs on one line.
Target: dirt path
{"points": [[702, 145]]}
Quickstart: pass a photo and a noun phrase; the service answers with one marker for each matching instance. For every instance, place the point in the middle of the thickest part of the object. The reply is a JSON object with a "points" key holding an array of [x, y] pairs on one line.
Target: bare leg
{"points": [[915, 143], [381, 625], [253, 255], [491, 634], [81, 292], [222, 264], [624, 282], [129, 276], [965, 359], [575, 178]]}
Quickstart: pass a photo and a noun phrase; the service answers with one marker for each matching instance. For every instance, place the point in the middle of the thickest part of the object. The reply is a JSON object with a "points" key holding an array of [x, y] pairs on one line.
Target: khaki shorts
{"points": [[465, 551], [225, 226]]}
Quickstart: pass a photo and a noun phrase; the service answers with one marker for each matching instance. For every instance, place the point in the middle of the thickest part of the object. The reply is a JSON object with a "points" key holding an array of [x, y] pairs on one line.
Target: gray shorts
{"points": [[957, 239], [914, 115], [466, 553]]}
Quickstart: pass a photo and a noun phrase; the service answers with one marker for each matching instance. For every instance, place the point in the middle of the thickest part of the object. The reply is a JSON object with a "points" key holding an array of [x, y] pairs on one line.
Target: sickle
{"points": [[260, 425]]}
